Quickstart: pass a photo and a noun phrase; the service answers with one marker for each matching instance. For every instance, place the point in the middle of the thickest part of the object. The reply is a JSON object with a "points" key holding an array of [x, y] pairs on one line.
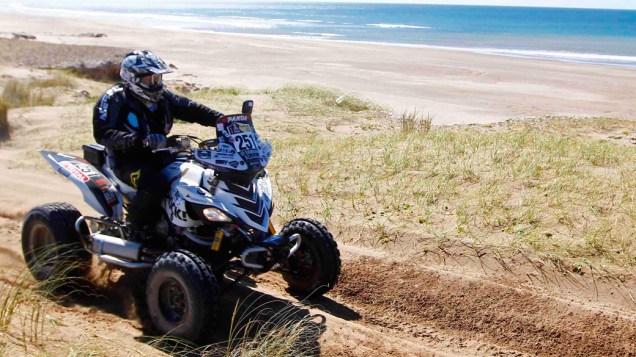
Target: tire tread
{"points": [[321, 235]]}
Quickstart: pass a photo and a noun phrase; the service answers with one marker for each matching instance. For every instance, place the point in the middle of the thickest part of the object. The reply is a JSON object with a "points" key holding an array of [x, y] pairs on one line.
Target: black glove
{"points": [[216, 119], [155, 141]]}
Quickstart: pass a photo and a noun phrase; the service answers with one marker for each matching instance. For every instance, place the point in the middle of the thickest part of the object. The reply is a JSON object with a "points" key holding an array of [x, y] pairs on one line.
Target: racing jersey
{"points": [[121, 121]]}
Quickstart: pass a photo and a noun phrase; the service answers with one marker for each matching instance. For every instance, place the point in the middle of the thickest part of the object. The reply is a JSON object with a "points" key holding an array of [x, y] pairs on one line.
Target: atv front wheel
{"points": [[51, 245], [314, 269], [182, 295]]}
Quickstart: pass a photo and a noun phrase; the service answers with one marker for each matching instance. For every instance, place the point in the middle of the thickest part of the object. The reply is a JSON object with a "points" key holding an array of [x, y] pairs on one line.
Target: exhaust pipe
{"points": [[124, 263], [116, 247], [110, 249]]}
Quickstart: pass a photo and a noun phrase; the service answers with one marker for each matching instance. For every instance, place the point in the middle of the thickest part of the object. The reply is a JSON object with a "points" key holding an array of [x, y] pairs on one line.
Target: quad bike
{"points": [[216, 218]]}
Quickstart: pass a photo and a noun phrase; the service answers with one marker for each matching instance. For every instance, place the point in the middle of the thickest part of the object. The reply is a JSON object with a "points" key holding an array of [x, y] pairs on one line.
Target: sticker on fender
{"points": [[218, 239], [73, 170]]}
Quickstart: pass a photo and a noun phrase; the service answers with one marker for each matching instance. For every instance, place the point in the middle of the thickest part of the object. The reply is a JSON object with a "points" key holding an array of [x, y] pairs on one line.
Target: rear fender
{"points": [[99, 192]]}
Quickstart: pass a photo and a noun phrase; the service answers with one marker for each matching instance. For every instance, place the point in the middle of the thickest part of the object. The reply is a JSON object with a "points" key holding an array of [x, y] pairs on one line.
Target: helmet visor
{"points": [[152, 81]]}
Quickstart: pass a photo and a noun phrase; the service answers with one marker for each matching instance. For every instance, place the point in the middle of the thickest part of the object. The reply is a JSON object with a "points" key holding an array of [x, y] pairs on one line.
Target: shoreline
{"points": [[585, 57], [453, 86], [512, 53]]}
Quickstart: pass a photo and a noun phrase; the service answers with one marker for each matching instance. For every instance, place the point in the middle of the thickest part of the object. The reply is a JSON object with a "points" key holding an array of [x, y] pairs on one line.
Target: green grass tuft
{"points": [[414, 122], [537, 186], [28, 93], [315, 100]]}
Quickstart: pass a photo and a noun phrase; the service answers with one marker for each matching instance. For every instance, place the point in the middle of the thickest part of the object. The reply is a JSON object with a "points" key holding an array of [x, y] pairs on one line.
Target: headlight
{"points": [[215, 215]]}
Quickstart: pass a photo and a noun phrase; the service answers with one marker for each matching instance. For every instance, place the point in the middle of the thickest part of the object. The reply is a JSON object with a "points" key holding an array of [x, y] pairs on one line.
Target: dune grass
{"points": [[298, 101], [316, 100], [535, 185], [24, 304], [27, 93], [257, 329], [35, 92]]}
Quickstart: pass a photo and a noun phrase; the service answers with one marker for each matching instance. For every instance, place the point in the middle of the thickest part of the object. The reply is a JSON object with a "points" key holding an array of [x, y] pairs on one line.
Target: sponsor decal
{"points": [[134, 178], [244, 127], [174, 211], [84, 172], [111, 198], [133, 121], [249, 155], [204, 154], [234, 118], [103, 108], [73, 170], [103, 105]]}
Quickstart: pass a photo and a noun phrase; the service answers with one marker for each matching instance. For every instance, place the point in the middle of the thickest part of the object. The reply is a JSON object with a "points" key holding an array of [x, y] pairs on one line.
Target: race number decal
{"points": [[74, 170], [245, 142]]}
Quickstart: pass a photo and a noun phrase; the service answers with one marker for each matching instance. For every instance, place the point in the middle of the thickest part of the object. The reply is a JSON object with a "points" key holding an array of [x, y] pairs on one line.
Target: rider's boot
{"points": [[141, 214]]}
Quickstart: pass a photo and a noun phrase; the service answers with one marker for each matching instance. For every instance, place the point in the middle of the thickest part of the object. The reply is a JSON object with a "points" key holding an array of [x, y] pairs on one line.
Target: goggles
{"points": [[151, 80]]}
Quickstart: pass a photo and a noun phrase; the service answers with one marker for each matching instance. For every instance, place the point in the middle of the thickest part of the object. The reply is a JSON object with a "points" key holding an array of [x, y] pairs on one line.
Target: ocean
{"points": [[578, 35]]}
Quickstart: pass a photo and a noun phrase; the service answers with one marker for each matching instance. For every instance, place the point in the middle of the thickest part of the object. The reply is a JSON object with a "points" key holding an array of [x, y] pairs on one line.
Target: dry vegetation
{"points": [[537, 186]]}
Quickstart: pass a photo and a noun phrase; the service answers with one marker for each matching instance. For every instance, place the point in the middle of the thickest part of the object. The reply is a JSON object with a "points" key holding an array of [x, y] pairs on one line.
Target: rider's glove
{"points": [[155, 141], [215, 119]]}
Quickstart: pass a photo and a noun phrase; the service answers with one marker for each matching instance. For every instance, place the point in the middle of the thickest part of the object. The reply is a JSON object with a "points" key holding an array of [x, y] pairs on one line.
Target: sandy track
{"points": [[390, 308]]}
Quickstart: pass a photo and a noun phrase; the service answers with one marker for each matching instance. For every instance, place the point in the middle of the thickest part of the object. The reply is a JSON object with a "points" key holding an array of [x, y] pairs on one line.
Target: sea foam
{"points": [[398, 26]]}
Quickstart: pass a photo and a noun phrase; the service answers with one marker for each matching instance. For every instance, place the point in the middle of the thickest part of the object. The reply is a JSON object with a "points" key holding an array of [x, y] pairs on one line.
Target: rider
{"points": [[133, 118]]}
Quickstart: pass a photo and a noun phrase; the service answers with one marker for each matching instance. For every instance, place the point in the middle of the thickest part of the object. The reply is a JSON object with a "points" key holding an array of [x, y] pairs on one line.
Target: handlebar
{"points": [[176, 143]]}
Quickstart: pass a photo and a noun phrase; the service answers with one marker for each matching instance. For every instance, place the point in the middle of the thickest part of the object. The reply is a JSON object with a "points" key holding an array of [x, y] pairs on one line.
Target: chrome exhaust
{"points": [[108, 245], [124, 263], [111, 249]]}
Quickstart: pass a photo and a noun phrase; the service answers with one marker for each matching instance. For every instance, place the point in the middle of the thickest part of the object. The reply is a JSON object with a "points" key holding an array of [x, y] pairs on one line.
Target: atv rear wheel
{"points": [[314, 269], [51, 245], [182, 295]]}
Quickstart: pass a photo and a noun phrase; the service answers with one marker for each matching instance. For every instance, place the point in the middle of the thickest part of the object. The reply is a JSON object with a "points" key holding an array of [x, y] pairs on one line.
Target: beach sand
{"points": [[451, 86]]}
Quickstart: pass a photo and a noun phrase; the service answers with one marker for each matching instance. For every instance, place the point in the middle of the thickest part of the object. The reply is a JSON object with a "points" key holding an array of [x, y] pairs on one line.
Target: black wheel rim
{"points": [[173, 301], [42, 250], [302, 263]]}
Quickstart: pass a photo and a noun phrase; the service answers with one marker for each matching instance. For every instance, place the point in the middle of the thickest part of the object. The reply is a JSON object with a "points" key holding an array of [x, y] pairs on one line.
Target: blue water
{"points": [[581, 35]]}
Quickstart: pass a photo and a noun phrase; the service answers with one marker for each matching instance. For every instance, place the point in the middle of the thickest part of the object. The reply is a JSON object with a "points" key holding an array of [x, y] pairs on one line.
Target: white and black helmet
{"points": [[142, 72]]}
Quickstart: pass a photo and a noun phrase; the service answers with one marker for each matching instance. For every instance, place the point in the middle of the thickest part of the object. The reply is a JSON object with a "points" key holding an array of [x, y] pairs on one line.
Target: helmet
{"points": [[142, 72]]}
